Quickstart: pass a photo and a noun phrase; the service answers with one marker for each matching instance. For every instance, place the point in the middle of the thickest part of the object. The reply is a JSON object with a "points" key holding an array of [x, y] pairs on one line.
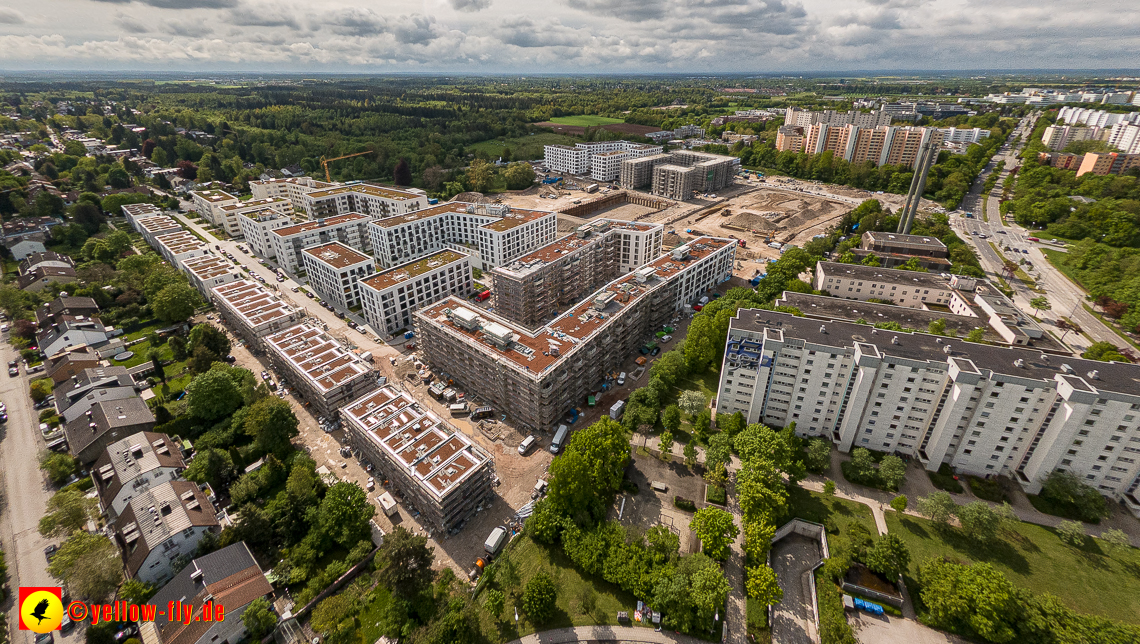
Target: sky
{"points": [[567, 36]]}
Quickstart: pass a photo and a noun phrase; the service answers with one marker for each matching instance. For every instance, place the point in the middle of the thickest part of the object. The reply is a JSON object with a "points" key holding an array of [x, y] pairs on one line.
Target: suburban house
{"points": [[133, 465], [160, 525], [74, 396], [104, 423]]}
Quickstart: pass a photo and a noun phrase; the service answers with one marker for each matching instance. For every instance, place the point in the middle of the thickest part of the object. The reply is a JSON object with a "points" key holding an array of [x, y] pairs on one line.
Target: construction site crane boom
{"points": [[325, 162]]}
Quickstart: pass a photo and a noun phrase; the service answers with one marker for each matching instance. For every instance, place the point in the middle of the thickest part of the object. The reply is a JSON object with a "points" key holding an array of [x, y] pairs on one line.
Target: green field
{"points": [[585, 120], [524, 147], [834, 513], [1057, 259], [1095, 579]]}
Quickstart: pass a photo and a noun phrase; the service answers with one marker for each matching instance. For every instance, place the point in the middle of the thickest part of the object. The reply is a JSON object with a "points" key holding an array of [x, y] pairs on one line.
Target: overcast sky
{"points": [[567, 35]]}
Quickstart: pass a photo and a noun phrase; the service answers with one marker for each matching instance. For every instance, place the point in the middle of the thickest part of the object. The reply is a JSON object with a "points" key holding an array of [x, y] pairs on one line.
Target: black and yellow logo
{"points": [[41, 609]]}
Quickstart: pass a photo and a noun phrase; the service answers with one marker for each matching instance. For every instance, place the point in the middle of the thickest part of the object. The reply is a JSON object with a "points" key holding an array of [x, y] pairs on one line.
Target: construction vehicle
{"points": [[325, 162]]}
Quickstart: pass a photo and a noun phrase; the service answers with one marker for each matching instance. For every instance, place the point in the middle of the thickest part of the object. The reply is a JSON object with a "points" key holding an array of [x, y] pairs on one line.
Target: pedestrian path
{"points": [[630, 634]]}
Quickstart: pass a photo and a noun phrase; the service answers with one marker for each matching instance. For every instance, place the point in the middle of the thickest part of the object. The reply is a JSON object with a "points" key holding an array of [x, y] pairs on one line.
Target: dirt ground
{"points": [[648, 507]]}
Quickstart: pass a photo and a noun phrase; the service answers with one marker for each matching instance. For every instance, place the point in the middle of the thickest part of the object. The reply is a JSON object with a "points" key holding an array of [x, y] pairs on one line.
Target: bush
{"points": [[539, 598], [989, 490], [717, 495], [1067, 496], [684, 504], [833, 626], [943, 479]]}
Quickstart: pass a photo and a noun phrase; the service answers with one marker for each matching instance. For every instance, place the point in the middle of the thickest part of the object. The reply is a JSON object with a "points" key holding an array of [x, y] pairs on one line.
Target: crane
{"points": [[325, 162]]}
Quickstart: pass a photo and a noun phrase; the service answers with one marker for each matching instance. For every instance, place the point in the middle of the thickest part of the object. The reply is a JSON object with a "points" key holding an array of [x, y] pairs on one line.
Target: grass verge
{"points": [[943, 479]]}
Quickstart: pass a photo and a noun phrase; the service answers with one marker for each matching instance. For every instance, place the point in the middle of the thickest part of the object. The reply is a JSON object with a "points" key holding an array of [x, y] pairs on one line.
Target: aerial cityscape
{"points": [[467, 323]]}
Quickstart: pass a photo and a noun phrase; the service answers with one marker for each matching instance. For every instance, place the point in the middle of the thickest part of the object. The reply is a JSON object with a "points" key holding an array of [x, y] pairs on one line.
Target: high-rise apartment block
{"points": [[228, 216], [882, 145], [1125, 137], [367, 199], [391, 296], [1056, 137], [687, 171], [335, 271], [984, 410], [583, 158], [287, 242], [790, 138], [1108, 163], [673, 181], [806, 118]]}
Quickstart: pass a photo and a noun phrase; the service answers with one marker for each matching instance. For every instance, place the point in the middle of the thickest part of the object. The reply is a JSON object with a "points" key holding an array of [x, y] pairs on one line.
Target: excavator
{"points": [[325, 162]]}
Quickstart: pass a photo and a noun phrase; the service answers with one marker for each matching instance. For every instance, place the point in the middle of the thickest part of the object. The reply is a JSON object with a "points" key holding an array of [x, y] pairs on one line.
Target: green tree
{"points": [[519, 176], [1072, 533], [716, 530], [178, 348], [937, 327], [829, 487], [889, 556], [494, 603], [975, 335], [863, 463], [898, 504], [719, 450], [980, 521], [663, 543], [671, 418], [763, 586], [89, 564], [692, 401], [40, 389], [665, 445], [405, 563], [1065, 489], [156, 362], [1040, 303], [732, 424], [213, 466], [709, 590], [702, 424], [344, 514], [1116, 537], [67, 511], [134, 591], [690, 455], [258, 619], [1104, 352], [206, 335], [892, 471], [975, 600], [59, 467], [213, 395], [333, 617], [818, 457], [539, 598], [480, 175], [272, 423], [937, 506], [175, 303]]}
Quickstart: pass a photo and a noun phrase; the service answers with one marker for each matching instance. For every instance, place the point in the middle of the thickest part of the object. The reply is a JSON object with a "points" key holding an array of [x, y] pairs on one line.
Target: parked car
{"points": [[13, 372], [654, 351], [49, 552]]}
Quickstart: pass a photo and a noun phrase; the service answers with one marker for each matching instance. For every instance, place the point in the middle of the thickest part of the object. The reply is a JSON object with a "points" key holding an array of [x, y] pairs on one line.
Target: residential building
{"points": [[61, 366], [440, 471], [536, 376], [151, 228], [65, 308], [160, 525], [1061, 160], [319, 369], [1108, 163], [983, 410], [229, 215], [48, 259], [579, 159], [39, 277], [790, 138], [822, 307], [21, 249], [880, 145], [492, 234], [682, 132], [711, 172], [1073, 115], [106, 422], [806, 118], [80, 330], [636, 173], [292, 188], [180, 246], [133, 465], [75, 396], [209, 271], [370, 200], [566, 159], [900, 244], [606, 166], [964, 135], [37, 229], [228, 577], [1125, 137], [207, 203], [391, 296], [537, 286], [257, 224], [1056, 137], [287, 242], [335, 271], [673, 181], [136, 211], [252, 311]]}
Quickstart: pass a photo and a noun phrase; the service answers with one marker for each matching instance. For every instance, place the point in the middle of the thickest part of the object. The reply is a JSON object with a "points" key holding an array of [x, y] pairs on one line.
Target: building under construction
{"points": [[534, 288], [537, 376], [636, 173]]}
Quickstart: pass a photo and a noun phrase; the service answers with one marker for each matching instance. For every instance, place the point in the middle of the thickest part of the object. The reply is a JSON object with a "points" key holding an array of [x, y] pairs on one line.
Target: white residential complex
{"points": [[1056, 137], [493, 234], [964, 135], [253, 311], [228, 216], [1125, 137], [180, 246], [208, 271], [287, 242], [256, 225], [984, 410], [580, 159], [367, 199], [391, 296], [293, 188], [1072, 115], [319, 369], [335, 271]]}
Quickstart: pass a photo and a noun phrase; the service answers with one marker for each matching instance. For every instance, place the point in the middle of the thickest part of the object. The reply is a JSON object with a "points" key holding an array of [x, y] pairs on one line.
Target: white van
{"points": [[527, 443], [457, 409], [559, 439]]}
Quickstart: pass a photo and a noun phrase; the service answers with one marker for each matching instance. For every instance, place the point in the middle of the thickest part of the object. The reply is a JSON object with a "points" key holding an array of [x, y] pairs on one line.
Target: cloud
{"points": [[263, 16], [187, 29], [415, 29], [130, 25], [469, 5], [181, 4], [366, 23], [10, 17]]}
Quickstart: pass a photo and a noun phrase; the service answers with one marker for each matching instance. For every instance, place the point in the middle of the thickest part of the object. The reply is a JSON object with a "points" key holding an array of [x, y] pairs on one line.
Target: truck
{"points": [[559, 439], [495, 540], [617, 409], [437, 389], [449, 394], [482, 412], [366, 356], [482, 297]]}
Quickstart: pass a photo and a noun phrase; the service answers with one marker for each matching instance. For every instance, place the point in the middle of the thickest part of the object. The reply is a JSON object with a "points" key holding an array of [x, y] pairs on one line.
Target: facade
{"points": [[255, 228], [180, 246], [1108, 163], [319, 369], [106, 422], [335, 271], [1073, 115], [209, 271], [1056, 137], [904, 288], [984, 410], [964, 135], [566, 159], [161, 524], [710, 172], [438, 469], [636, 173], [287, 242], [391, 296], [132, 466], [208, 202], [374, 201], [806, 118], [228, 577], [900, 244], [790, 138], [292, 188], [606, 166], [581, 159], [492, 234], [252, 311], [536, 376], [229, 215], [1061, 160], [1125, 137], [673, 182], [883, 145], [535, 287]]}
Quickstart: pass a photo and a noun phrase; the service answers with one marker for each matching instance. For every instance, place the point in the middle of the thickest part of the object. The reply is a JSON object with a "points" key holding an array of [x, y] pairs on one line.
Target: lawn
{"points": [[1096, 579], [1057, 259], [523, 147], [585, 120], [530, 558], [372, 610], [705, 383], [834, 513]]}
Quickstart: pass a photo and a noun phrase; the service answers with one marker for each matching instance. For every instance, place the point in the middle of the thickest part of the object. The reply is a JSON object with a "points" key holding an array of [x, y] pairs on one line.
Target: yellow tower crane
{"points": [[325, 162]]}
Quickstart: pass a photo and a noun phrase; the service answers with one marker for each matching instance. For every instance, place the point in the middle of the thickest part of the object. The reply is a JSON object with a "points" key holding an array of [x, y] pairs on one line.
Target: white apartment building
{"points": [[252, 311], [984, 410], [209, 271], [335, 271], [154, 226], [135, 211], [287, 242], [579, 160], [180, 246], [492, 234], [229, 215], [255, 227], [292, 188], [964, 135], [1073, 115], [606, 166], [1125, 137], [367, 199], [319, 369], [207, 203], [904, 288], [1056, 137], [391, 296], [566, 159]]}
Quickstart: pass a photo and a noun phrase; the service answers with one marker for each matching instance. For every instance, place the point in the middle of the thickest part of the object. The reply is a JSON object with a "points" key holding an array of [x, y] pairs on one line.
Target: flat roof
{"points": [[563, 246], [307, 226], [537, 350], [208, 266], [252, 303], [316, 356], [336, 254], [516, 216], [136, 209], [1111, 376], [413, 269], [885, 275], [214, 195], [836, 308], [256, 203], [157, 222], [434, 455], [180, 242], [264, 214], [899, 238], [368, 189]]}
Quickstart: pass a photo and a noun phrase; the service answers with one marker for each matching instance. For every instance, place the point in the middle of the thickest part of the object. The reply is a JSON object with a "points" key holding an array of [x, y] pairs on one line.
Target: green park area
{"points": [[523, 148], [585, 120]]}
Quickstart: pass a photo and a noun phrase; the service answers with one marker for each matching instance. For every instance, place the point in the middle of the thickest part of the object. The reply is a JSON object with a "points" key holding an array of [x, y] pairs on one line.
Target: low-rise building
{"points": [[209, 271], [75, 396], [80, 331], [335, 271], [69, 362], [48, 259], [160, 525], [133, 465], [907, 245], [438, 469], [391, 296], [252, 311], [151, 228], [62, 308], [103, 424], [136, 211], [180, 246], [350, 229], [40, 277], [256, 226], [370, 200], [319, 369]]}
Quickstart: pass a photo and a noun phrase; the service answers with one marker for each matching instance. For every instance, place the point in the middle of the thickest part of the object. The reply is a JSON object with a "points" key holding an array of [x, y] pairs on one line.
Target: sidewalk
{"points": [[631, 634]]}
